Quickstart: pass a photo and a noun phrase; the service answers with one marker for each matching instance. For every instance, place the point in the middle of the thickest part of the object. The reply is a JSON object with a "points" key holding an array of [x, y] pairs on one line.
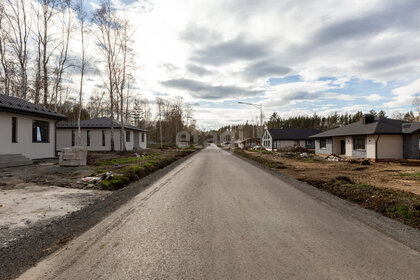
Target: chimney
{"points": [[368, 118]]}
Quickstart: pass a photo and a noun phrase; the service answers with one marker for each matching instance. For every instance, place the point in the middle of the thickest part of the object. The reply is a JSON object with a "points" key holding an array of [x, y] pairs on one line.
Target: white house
{"points": [[377, 139], [285, 138], [96, 135], [27, 129]]}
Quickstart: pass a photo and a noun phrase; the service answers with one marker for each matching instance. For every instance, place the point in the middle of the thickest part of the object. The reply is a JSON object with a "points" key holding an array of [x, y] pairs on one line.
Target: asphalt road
{"points": [[216, 216]]}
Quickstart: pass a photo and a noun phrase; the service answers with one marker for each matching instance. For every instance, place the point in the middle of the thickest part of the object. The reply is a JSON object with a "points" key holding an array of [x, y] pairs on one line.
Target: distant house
{"points": [[284, 138], [96, 135], [372, 138], [26, 129], [250, 142]]}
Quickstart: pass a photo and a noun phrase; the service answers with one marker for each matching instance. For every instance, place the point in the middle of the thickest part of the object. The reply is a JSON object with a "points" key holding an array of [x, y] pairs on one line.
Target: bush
{"points": [[115, 183]]}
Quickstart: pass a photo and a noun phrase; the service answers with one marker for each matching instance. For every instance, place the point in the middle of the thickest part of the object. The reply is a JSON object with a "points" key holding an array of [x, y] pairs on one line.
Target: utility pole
{"points": [[259, 106]]}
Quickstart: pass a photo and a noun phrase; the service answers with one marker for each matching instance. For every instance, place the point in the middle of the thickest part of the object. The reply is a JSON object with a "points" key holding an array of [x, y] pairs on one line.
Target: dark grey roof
{"points": [[411, 127], [292, 133], [378, 126], [98, 123], [21, 106]]}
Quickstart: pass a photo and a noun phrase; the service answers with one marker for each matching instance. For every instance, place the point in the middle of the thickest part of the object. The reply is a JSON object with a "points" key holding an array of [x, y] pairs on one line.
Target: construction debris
{"points": [[334, 157], [304, 155], [96, 179], [74, 156]]}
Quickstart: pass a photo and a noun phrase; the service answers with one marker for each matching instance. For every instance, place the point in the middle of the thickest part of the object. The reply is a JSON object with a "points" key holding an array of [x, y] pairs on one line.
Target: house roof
{"points": [[377, 126], [292, 133], [250, 139], [21, 106], [98, 123]]}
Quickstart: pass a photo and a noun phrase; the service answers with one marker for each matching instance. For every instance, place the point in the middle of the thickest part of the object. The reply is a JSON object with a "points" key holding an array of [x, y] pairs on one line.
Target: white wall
{"points": [[302, 143], [64, 139], [370, 146], [24, 143], [325, 151], [349, 146], [267, 139], [286, 144]]}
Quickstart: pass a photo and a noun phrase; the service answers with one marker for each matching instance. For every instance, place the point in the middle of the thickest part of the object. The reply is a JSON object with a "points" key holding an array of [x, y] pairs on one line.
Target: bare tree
{"points": [[160, 103], [45, 38], [107, 41], [37, 81], [67, 28], [82, 16], [125, 33], [416, 106], [96, 104], [18, 38], [4, 61]]}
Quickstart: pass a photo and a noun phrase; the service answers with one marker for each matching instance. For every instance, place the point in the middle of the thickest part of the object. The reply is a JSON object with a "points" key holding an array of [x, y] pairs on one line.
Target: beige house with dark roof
{"points": [[372, 138]]}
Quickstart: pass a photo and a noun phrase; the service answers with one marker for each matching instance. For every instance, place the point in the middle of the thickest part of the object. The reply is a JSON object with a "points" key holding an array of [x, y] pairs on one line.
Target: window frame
{"points": [[73, 138], [88, 138], [127, 136], [14, 130], [45, 125], [142, 137], [321, 146], [103, 138], [355, 143]]}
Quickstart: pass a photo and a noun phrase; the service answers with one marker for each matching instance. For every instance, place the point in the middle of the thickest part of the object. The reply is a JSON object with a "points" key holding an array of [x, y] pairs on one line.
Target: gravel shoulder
{"points": [[394, 229]]}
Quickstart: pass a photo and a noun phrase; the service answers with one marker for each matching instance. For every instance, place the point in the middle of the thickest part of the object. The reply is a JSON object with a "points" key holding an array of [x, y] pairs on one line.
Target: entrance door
{"points": [[343, 147]]}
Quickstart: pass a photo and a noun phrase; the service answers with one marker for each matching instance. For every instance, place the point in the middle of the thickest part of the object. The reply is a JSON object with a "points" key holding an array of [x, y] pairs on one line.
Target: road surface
{"points": [[216, 216]]}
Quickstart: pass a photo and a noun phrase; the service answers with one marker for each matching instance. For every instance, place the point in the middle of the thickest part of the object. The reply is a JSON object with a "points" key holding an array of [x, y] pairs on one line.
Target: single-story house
{"points": [[96, 135], [372, 138], [250, 142], [27, 129], [284, 138]]}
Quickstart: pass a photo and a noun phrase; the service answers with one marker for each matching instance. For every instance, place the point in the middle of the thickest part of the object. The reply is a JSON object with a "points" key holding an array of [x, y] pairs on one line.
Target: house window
{"points": [[14, 130], [103, 138], [73, 137], [127, 136], [323, 144], [88, 138], [359, 143], [142, 137], [40, 131]]}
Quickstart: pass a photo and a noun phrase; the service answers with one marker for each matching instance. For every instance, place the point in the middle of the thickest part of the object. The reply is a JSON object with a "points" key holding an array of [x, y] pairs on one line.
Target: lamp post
{"points": [[259, 106]]}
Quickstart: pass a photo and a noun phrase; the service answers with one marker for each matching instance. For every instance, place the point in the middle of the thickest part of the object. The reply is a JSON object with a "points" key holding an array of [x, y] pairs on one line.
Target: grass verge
{"points": [[411, 176], [143, 167]]}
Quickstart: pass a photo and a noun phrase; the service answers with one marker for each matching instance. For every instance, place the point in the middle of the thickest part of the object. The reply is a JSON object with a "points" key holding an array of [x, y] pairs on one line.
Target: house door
{"points": [[343, 147]]}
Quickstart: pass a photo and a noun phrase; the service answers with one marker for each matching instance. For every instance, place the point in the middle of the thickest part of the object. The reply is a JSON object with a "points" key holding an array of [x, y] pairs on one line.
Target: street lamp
{"points": [[259, 106]]}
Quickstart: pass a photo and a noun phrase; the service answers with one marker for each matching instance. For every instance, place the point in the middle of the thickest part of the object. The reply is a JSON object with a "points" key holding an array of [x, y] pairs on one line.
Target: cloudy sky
{"points": [[293, 56]]}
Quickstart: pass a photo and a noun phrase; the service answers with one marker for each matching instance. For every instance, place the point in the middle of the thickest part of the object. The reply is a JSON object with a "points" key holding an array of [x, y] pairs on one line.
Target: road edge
{"points": [[398, 231], [39, 242]]}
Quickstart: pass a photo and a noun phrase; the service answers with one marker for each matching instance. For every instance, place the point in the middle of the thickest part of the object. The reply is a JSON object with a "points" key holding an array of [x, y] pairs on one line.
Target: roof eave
{"points": [[35, 114]]}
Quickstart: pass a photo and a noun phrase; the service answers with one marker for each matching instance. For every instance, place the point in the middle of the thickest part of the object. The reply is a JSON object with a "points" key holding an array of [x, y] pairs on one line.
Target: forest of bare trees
{"points": [[48, 49]]}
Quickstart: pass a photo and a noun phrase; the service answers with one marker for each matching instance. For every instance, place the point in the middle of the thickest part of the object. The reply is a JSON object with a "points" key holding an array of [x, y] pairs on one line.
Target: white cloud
{"points": [[218, 48], [404, 95], [374, 97]]}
